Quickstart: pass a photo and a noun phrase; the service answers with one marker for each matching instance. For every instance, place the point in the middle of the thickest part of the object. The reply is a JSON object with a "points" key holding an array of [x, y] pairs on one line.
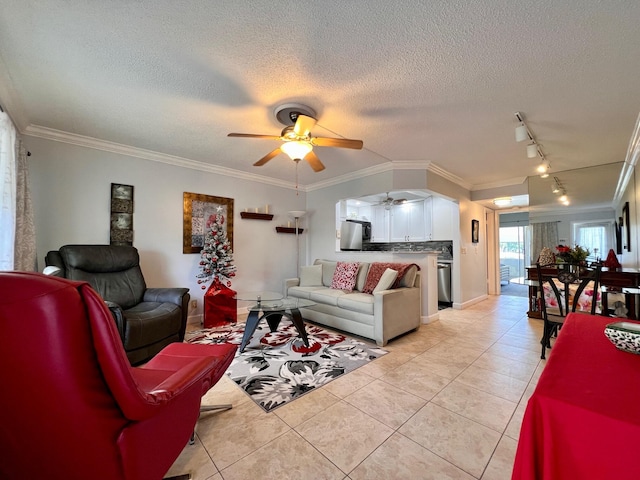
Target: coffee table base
{"points": [[273, 318]]}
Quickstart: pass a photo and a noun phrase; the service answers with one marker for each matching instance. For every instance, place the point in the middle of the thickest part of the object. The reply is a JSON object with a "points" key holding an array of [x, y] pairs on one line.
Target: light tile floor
{"points": [[446, 402]]}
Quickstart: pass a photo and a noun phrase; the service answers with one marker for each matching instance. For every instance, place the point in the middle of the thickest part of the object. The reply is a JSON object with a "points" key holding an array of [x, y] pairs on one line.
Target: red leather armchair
{"points": [[72, 406]]}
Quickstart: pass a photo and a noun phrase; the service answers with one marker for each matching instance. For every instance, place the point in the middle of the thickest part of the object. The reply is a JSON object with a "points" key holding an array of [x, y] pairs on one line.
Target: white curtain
{"points": [[24, 257], [543, 235], [17, 233], [7, 192]]}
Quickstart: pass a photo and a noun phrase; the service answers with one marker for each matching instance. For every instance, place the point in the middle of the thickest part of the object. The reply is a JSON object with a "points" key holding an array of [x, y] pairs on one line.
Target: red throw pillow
{"points": [[373, 277], [377, 269], [344, 277]]}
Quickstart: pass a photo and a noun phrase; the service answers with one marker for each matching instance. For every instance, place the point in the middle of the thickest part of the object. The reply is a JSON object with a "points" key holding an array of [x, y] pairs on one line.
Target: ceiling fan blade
{"points": [[304, 125], [251, 135], [314, 161], [337, 142], [267, 157]]}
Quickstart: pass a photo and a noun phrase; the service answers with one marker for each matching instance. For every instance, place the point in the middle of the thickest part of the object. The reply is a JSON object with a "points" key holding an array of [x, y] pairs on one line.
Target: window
{"points": [[596, 236]]}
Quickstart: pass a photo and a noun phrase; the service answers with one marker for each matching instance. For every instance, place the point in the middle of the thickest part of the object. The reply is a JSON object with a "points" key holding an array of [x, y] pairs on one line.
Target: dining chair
{"points": [[562, 289]]}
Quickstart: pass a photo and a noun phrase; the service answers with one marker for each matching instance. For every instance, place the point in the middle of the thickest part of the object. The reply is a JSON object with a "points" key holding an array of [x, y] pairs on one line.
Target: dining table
{"points": [[583, 419]]}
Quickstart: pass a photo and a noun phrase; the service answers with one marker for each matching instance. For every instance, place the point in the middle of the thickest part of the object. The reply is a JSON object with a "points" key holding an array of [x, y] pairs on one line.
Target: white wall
{"points": [[473, 256], [71, 196], [71, 193]]}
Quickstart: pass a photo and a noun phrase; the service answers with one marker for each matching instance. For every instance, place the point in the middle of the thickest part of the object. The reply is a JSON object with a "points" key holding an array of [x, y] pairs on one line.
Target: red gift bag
{"points": [[220, 305]]}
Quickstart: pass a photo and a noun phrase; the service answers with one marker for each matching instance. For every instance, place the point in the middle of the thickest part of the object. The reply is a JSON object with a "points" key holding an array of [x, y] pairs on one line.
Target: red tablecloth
{"points": [[583, 419]]}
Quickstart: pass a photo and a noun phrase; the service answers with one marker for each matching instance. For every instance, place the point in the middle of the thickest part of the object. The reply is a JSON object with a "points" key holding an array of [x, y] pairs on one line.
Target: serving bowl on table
{"points": [[624, 335]]}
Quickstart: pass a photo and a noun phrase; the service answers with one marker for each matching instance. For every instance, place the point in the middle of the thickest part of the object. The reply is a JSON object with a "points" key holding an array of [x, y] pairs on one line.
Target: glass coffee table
{"points": [[272, 306]]}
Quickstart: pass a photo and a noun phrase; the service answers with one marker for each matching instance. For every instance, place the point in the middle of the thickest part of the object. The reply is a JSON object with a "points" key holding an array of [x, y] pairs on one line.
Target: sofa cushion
{"points": [[344, 277], [363, 271], [302, 292], [311, 276], [386, 280], [326, 295], [328, 267], [357, 302], [409, 277]]}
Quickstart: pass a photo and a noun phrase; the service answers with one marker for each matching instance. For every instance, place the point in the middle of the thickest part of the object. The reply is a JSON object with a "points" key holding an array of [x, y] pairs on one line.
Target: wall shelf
{"points": [[256, 216], [288, 230]]}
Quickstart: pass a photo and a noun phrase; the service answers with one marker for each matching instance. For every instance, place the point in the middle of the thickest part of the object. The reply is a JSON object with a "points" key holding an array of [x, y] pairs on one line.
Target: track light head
{"points": [[521, 133]]}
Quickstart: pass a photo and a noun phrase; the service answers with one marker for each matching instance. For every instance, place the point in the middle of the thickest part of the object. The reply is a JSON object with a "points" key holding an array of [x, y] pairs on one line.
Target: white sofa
{"points": [[380, 316]]}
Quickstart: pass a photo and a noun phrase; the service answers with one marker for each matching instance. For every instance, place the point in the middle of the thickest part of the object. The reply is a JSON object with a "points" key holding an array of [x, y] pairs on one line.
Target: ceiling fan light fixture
{"points": [[297, 149]]}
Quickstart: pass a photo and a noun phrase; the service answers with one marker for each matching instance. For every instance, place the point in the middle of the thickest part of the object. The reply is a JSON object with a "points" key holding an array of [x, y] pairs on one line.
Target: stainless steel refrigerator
{"points": [[350, 236]]}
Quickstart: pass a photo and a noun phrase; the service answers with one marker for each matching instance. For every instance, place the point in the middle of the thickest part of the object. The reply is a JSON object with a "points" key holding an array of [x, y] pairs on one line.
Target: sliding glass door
{"points": [[514, 250]]}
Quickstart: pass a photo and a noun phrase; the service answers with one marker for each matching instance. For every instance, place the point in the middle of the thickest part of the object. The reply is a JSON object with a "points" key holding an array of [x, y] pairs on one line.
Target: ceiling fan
{"points": [[297, 142], [388, 202]]}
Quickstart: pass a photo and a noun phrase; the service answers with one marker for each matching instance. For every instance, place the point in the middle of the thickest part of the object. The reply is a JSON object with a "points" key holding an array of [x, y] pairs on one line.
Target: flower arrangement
{"points": [[576, 255], [216, 257]]}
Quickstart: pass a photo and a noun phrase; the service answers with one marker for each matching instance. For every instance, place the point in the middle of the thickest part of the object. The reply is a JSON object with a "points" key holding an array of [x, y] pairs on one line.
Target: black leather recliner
{"points": [[148, 319]]}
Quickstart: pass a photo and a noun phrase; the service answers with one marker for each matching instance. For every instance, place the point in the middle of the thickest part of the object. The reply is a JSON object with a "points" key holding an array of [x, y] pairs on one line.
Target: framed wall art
{"points": [[618, 232], [198, 209], [475, 231], [121, 230], [627, 226]]}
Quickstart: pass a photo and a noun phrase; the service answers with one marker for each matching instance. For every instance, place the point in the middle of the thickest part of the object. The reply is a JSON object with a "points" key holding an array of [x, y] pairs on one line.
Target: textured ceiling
{"points": [[417, 81]]}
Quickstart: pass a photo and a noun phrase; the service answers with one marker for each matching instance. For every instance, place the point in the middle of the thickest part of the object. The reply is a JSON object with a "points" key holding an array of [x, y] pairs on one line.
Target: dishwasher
{"points": [[444, 282]]}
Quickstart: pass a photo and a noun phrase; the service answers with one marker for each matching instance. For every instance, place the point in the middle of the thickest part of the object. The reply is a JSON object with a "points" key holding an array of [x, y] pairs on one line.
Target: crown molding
{"points": [[448, 176], [112, 147], [630, 162], [381, 168], [503, 183], [121, 149]]}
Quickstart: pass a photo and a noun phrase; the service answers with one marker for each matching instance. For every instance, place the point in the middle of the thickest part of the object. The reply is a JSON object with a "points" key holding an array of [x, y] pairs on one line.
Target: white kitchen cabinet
{"points": [[379, 224], [444, 218], [428, 218], [408, 222]]}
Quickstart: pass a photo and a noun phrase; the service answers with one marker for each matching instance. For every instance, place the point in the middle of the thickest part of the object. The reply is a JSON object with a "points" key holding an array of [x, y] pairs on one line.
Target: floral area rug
{"points": [[277, 367]]}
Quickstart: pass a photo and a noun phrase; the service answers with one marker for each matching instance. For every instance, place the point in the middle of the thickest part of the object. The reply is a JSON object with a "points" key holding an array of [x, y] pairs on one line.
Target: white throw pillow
{"points": [[311, 276], [386, 280]]}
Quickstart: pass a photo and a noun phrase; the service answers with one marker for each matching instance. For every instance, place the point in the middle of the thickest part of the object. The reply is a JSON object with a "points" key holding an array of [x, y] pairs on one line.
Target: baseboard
{"points": [[469, 303], [429, 318]]}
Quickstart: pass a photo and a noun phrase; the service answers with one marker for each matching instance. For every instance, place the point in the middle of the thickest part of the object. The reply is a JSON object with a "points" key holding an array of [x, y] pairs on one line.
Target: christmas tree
{"points": [[216, 257]]}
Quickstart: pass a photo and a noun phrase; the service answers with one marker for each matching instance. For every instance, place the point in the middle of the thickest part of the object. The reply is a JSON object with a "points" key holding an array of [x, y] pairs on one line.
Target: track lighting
{"points": [[543, 167], [521, 133], [533, 149]]}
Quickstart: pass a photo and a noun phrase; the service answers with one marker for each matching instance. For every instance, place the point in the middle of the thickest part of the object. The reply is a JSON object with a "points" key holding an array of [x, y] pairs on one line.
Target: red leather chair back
{"points": [[57, 412], [71, 406]]}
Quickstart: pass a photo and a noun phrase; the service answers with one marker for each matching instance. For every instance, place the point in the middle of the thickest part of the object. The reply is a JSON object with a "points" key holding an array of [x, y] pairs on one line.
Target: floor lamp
{"points": [[297, 214]]}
